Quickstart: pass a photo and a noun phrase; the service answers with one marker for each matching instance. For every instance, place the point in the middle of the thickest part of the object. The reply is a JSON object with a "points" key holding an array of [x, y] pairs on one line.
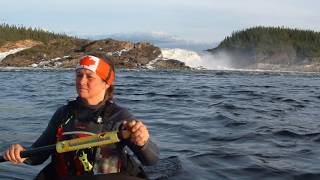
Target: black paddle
{"points": [[35, 151]]}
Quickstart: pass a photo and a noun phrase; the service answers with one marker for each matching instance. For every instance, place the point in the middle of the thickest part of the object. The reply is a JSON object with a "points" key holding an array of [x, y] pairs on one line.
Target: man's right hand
{"points": [[13, 154]]}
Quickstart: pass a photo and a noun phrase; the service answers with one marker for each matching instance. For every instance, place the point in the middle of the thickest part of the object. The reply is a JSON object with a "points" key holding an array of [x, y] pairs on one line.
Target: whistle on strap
{"points": [[84, 160]]}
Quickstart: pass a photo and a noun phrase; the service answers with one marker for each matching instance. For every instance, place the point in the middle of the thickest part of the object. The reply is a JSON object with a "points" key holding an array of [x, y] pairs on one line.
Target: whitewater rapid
{"points": [[193, 59], [197, 60]]}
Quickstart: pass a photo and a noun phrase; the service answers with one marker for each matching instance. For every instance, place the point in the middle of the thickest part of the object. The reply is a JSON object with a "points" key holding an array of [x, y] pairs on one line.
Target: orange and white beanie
{"points": [[99, 66]]}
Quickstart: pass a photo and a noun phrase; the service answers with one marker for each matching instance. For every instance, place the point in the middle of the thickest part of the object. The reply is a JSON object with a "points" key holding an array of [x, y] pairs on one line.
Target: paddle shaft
{"points": [[78, 143], [35, 151]]}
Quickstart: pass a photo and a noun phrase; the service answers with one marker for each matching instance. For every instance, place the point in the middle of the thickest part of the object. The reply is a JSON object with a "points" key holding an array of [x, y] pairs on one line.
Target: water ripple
{"points": [[221, 124]]}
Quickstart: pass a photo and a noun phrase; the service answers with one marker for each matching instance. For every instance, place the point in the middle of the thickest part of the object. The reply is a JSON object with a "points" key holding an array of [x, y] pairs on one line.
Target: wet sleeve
{"points": [[149, 153], [46, 138]]}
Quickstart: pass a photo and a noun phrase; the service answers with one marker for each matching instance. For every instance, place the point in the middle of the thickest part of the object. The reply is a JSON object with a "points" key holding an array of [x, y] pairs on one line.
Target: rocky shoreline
{"points": [[66, 53], [279, 61], [62, 53]]}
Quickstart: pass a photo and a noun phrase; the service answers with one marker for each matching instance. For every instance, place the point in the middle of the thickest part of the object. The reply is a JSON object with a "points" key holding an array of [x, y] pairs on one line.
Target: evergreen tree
{"points": [[274, 39], [14, 33]]}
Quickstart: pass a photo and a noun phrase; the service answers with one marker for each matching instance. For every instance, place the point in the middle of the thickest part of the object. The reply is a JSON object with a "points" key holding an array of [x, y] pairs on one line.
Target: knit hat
{"points": [[98, 65]]}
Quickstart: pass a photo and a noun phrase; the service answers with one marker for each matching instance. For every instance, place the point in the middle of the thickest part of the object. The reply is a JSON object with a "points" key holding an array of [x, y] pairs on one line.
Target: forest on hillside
{"points": [[269, 40], [10, 33]]}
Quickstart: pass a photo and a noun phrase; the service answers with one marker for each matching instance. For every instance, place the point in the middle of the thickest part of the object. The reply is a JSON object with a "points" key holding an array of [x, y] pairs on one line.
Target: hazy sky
{"points": [[192, 20]]}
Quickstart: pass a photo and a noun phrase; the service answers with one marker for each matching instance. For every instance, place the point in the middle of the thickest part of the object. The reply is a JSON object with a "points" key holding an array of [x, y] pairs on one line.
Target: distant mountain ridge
{"points": [[161, 40], [272, 48]]}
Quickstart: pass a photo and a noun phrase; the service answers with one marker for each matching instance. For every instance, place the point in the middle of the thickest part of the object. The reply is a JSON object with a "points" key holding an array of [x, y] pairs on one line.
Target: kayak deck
{"points": [[165, 168]]}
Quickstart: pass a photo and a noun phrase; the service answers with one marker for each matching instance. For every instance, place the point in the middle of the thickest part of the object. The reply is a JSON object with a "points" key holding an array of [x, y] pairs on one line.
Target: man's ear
{"points": [[107, 86]]}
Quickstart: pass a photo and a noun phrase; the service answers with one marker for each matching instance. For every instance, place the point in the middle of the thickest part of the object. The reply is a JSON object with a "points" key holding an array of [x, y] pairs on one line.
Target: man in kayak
{"points": [[92, 112]]}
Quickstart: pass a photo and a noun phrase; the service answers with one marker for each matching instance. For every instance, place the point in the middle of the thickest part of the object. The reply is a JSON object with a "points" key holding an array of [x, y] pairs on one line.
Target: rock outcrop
{"points": [[62, 53], [171, 64]]}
